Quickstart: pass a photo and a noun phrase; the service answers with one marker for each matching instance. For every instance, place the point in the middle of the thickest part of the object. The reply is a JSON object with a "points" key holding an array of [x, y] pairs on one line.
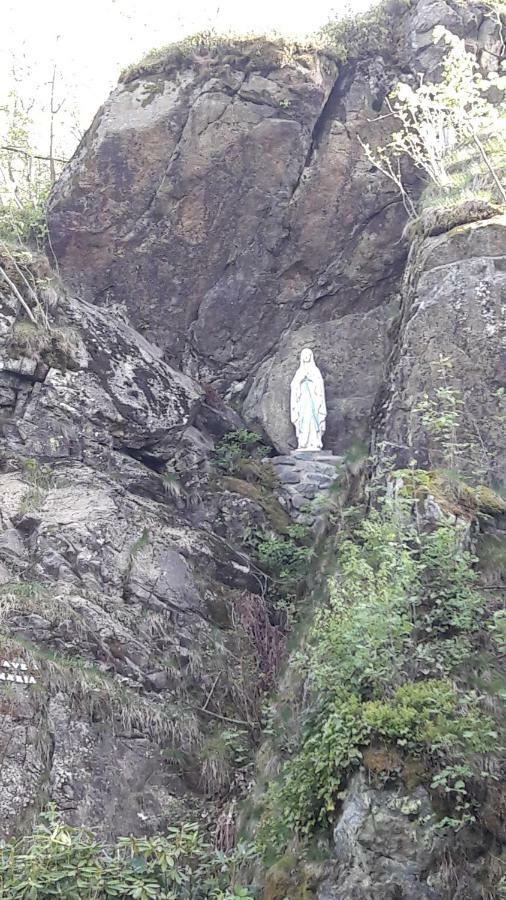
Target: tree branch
{"points": [[32, 155]]}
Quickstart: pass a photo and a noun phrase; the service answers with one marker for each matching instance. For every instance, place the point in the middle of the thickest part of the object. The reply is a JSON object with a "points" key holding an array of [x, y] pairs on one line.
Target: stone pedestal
{"points": [[305, 476]]}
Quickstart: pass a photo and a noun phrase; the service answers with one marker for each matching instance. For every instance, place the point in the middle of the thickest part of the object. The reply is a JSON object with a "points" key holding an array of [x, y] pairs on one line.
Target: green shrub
{"points": [[236, 446], [430, 715], [283, 557], [57, 860]]}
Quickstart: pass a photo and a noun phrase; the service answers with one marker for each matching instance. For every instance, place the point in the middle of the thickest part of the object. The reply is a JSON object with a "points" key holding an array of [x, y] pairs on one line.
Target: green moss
{"points": [[281, 884], [452, 494], [464, 500], [276, 516]]}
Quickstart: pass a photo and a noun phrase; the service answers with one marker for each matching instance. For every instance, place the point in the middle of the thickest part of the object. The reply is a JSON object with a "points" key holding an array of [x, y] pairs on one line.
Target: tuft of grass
{"points": [[208, 48], [351, 36], [55, 346], [341, 39], [96, 696]]}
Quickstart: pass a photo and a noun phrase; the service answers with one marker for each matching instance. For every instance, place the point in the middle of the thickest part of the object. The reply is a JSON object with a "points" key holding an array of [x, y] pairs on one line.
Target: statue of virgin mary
{"points": [[307, 403]]}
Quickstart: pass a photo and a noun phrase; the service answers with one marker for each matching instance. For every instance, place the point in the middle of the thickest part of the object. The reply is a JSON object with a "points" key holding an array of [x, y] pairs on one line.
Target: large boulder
{"points": [[381, 845], [222, 200]]}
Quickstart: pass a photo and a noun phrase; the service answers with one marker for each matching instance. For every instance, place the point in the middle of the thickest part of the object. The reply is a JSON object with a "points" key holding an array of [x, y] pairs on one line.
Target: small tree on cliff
{"points": [[436, 120]]}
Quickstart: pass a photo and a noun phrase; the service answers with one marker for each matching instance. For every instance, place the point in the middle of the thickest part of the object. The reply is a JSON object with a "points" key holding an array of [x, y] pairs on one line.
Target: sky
{"points": [[90, 42]]}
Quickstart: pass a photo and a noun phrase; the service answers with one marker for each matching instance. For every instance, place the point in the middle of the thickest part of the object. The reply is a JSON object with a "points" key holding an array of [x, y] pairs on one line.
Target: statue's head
{"points": [[306, 357]]}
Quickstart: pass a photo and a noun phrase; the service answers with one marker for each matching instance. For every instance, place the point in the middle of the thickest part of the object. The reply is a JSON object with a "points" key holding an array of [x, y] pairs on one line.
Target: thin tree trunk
{"points": [[484, 156]]}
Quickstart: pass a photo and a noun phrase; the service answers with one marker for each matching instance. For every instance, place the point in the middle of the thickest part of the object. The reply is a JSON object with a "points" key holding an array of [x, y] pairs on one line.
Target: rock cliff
{"points": [[218, 216], [224, 203]]}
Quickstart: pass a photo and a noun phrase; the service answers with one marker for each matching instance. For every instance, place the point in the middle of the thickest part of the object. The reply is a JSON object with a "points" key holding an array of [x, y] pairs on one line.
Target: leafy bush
{"points": [[25, 177], [236, 446], [430, 715], [57, 860], [283, 556]]}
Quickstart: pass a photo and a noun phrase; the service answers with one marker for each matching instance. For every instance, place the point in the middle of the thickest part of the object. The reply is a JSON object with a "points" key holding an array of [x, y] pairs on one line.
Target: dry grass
{"points": [[96, 696], [55, 346], [344, 37], [207, 49], [352, 37]]}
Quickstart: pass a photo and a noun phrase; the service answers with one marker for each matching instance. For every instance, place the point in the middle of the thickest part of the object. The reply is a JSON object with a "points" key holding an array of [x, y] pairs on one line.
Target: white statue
{"points": [[307, 403]]}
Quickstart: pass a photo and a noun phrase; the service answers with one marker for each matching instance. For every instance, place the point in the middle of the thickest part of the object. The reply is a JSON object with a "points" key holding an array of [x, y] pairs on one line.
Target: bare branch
{"points": [[27, 153], [18, 295]]}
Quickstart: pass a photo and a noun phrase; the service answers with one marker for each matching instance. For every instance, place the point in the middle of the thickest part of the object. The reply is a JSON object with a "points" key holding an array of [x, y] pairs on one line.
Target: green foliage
{"points": [[57, 860], [451, 781], [284, 557], [497, 627], [234, 447], [306, 793], [373, 670], [362, 631], [440, 416], [430, 715], [25, 179]]}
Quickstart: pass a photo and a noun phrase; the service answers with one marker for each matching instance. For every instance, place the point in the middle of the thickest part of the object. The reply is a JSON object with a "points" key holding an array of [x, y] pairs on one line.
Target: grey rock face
{"points": [[117, 596], [227, 208], [227, 212], [454, 309], [382, 846]]}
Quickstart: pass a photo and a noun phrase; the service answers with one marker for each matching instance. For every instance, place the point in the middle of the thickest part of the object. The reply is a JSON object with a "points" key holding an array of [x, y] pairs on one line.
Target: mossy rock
{"points": [[286, 880], [436, 220], [464, 500], [54, 346], [257, 471], [276, 516]]}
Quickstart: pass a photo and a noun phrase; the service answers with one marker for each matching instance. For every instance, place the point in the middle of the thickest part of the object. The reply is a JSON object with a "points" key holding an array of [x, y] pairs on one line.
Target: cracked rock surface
{"points": [[226, 206]]}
